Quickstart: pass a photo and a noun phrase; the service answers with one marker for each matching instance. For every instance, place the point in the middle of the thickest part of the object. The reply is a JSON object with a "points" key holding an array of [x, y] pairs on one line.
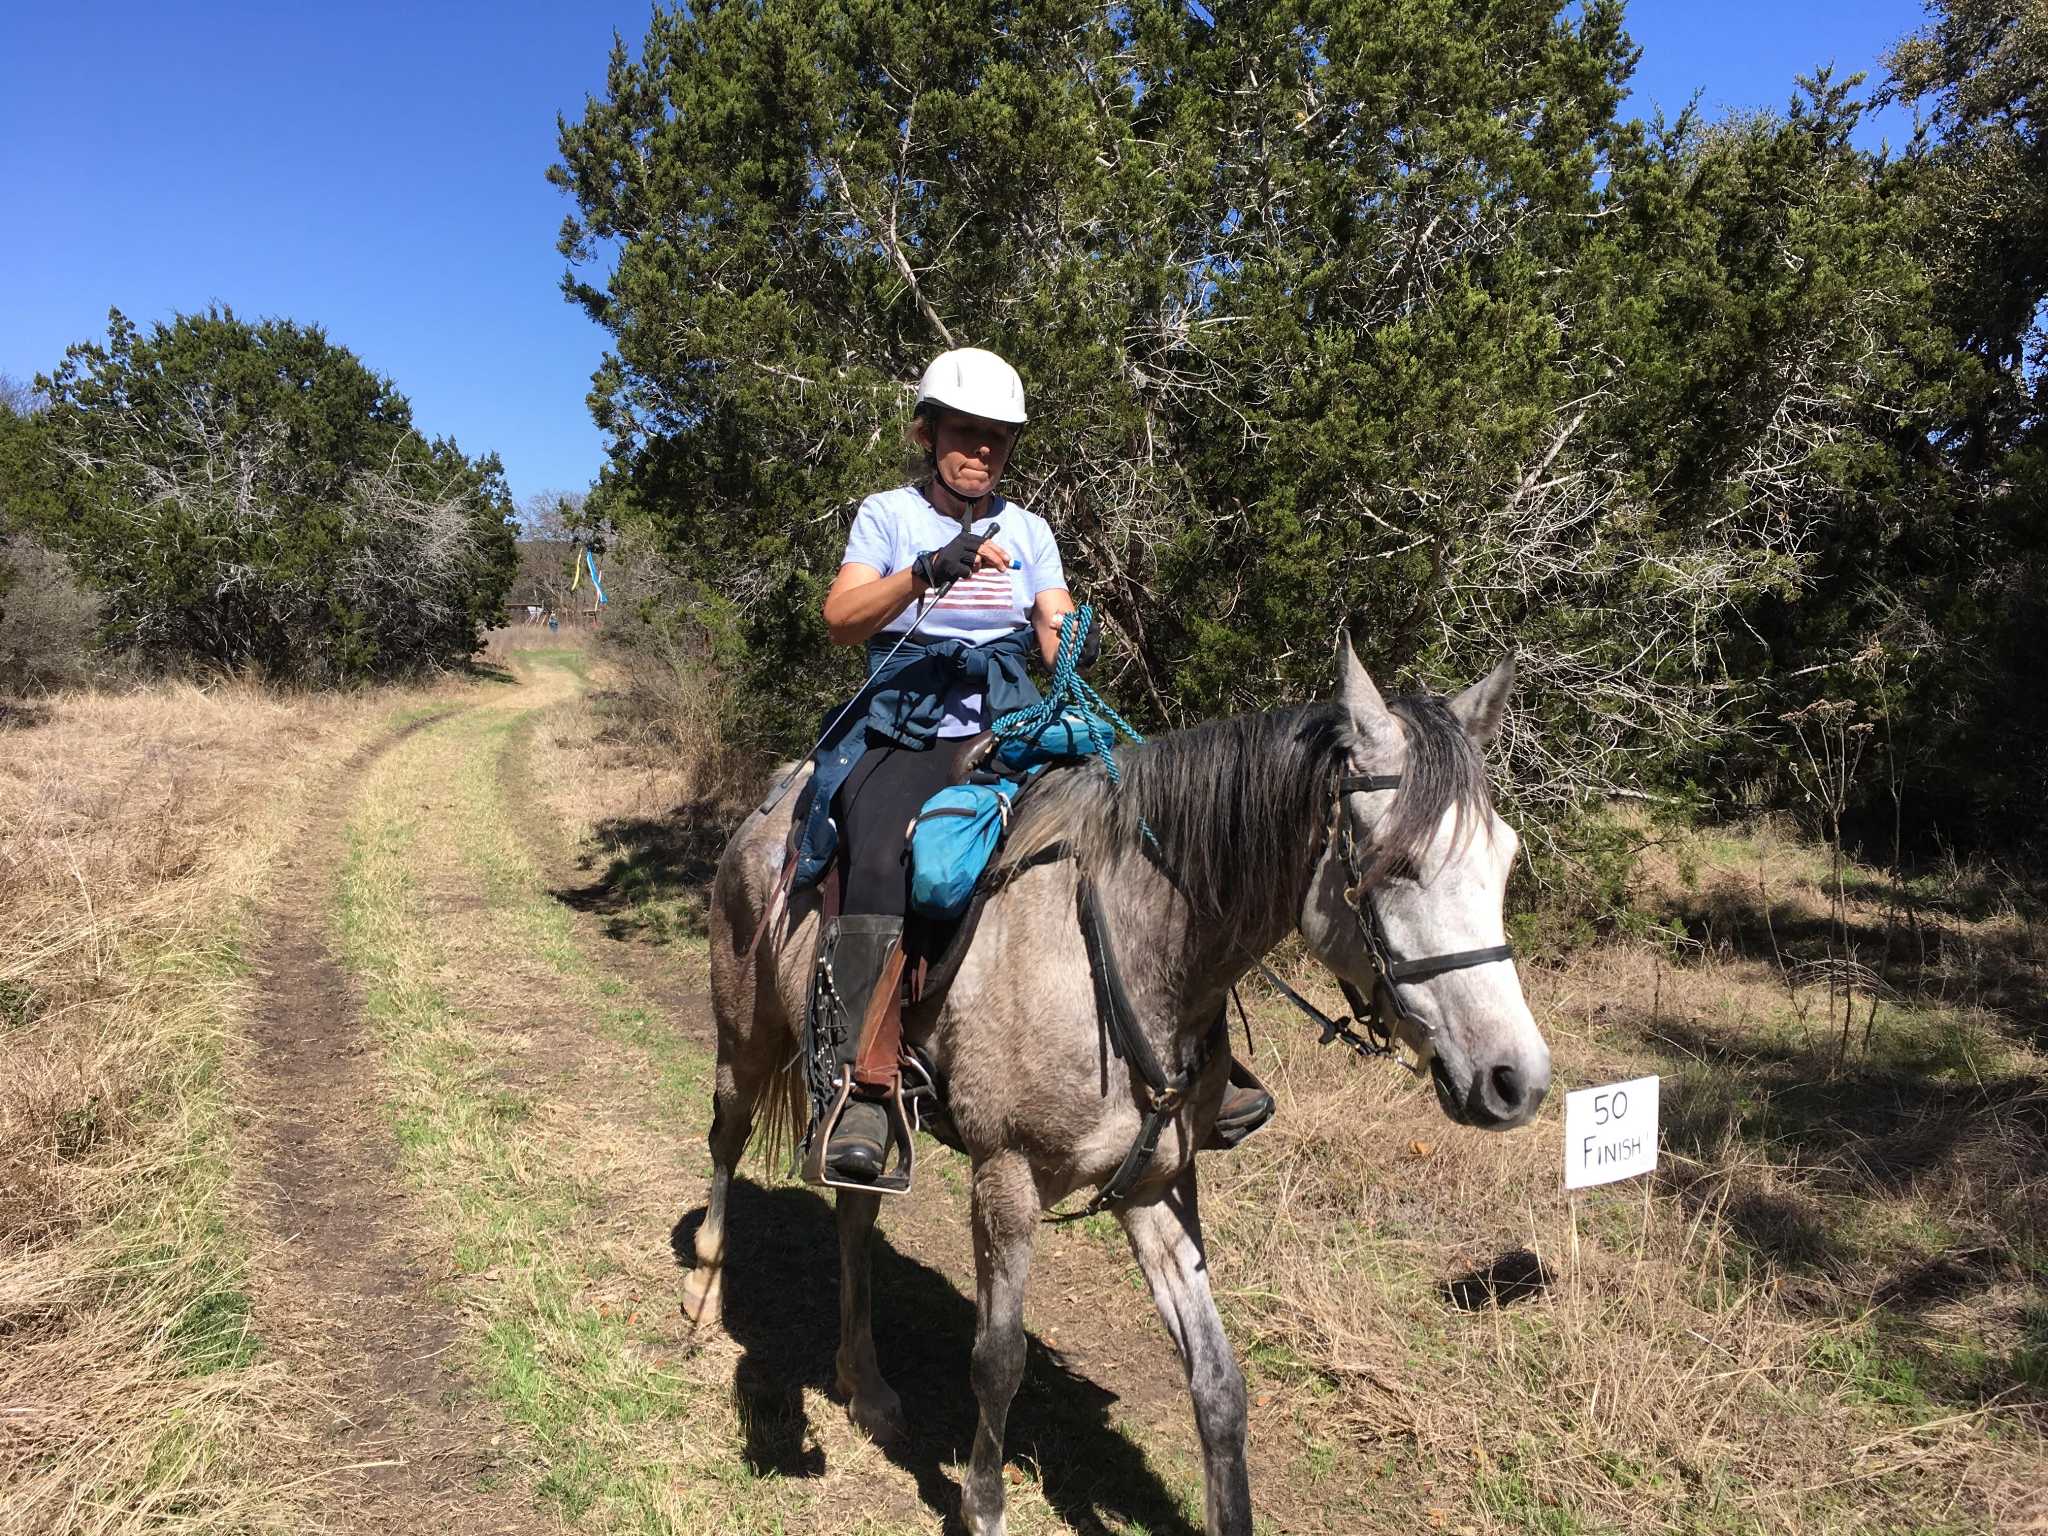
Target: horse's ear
{"points": [[1480, 708], [1358, 694]]}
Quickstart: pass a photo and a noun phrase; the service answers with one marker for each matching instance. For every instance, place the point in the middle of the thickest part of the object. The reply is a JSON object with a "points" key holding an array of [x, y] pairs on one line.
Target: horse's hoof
{"points": [[878, 1415], [701, 1297], [978, 1524]]}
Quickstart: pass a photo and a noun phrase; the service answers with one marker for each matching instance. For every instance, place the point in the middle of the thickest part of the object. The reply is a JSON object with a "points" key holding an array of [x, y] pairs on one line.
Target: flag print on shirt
{"points": [[985, 591]]}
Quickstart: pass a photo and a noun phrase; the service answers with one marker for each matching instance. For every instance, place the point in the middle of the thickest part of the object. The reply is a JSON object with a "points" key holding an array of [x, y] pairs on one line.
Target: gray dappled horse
{"points": [[1269, 820]]}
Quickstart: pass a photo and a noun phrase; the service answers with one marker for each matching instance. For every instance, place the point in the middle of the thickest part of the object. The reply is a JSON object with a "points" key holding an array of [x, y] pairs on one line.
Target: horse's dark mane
{"points": [[1236, 804], [1443, 772]]}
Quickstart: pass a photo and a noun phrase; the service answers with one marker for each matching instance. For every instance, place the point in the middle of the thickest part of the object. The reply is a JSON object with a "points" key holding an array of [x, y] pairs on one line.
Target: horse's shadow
{"points": [[781, 1306]]}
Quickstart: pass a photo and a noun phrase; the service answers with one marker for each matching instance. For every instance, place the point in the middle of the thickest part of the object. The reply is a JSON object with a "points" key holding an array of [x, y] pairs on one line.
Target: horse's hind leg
{"points": [[870, 1401], [1006, 1211], [732, 1122], [747, 1062], [1166, 1237]]}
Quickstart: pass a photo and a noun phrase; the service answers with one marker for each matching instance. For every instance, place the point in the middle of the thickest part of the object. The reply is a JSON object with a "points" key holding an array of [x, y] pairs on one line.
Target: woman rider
{"points": [[981, 578]]}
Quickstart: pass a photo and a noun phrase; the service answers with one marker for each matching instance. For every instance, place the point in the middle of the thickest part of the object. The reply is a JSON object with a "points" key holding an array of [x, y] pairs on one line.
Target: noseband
{"points": [[1381, 1013]]}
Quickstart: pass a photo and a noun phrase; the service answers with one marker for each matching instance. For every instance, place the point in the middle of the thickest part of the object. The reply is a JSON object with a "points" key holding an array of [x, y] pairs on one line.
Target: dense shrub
{"points": [[48, 623], [250, 495]]}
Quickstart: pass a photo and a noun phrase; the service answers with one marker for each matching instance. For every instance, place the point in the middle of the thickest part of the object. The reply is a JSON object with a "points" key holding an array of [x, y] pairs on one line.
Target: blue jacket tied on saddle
{"points": [[904, 697]]}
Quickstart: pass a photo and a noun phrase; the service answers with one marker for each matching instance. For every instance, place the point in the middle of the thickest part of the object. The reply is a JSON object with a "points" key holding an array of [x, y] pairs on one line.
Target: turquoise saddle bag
{"points": [[959, 829], [951, 842]]}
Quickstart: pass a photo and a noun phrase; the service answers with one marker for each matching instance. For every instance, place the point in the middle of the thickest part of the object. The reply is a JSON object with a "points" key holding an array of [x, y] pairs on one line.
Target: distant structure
{"points": [[547, 568]]}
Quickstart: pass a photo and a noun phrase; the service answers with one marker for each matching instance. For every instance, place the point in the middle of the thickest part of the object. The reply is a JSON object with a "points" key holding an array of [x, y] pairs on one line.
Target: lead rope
{"points": [[1074, 699]]}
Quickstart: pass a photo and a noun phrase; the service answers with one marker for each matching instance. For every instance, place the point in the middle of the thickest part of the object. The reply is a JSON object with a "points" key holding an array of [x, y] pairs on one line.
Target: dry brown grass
{"points": [[1824, 1312], [138, 833], [640, 776]]}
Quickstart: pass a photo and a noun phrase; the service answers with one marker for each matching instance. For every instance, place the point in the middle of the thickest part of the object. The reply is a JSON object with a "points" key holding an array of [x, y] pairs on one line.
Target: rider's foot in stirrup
{"points": [[859, 1142], [1246, 1106]]}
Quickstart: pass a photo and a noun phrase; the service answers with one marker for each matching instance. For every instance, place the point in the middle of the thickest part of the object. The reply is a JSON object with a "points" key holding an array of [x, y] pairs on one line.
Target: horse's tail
{"points": [[782, 1105], [785, 1110]]}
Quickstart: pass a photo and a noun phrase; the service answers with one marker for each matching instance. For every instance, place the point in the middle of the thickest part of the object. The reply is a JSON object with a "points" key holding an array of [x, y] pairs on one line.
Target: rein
{"points": [[1160, 1096]]}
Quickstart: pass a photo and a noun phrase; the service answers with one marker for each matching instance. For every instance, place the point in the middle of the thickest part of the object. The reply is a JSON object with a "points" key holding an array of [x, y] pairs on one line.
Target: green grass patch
{"points": [[1508, 1496], [2028, 1364], [213, 1332], [1868, 1370]]}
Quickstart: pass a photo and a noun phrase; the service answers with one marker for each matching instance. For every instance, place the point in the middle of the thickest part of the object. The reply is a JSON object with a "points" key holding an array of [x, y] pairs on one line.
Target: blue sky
{"points": [[378, 169]]}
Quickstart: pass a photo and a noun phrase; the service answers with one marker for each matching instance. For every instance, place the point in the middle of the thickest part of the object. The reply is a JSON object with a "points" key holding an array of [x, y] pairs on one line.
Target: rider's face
{"points": [[971, 451]]}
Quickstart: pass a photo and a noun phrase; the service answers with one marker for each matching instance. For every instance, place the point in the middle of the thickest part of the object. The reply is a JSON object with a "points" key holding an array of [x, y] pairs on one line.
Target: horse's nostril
{"points": [[1507, 1088]]}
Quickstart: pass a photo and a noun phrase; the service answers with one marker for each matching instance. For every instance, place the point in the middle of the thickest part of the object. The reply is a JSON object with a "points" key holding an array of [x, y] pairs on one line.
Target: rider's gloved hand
{"points": [[1091, 643], [955, 559]]}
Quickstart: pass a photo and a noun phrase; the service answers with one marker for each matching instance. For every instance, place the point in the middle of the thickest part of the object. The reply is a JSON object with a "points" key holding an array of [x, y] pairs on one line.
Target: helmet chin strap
{"points": [[976, 505]]}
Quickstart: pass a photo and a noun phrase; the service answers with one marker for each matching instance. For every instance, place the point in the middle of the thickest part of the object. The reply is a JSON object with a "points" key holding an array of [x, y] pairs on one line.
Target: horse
{"points": [[1365, 825]]}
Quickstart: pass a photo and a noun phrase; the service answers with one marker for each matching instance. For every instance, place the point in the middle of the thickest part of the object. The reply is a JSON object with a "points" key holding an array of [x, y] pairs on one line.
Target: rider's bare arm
{"points": [[1047, 609], [862, 599]]}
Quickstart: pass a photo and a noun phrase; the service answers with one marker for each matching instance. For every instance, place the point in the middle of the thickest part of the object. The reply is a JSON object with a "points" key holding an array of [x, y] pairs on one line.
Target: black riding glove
{"points": [[937, 567], [1091, 643]]}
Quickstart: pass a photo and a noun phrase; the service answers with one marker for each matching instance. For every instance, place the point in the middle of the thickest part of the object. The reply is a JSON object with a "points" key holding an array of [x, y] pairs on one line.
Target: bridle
{"points": [[1377, 1017], [1370, 1031]]}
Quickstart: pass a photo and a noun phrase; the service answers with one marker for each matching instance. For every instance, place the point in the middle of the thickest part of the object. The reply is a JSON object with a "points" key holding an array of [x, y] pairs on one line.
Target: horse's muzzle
{"points": [[1498, 1097]]}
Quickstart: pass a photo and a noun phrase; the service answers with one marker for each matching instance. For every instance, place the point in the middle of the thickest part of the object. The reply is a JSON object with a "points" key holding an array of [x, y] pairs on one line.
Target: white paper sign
{"points": [[1610, 1133]]}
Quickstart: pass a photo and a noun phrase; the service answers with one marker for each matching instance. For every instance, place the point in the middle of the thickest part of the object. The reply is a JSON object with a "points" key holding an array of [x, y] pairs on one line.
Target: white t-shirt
{"points": [[892, 528]]}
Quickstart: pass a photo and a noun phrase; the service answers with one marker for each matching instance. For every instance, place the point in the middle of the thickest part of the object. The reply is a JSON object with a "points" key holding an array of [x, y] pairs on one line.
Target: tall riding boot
{"points": [[859, 957]]}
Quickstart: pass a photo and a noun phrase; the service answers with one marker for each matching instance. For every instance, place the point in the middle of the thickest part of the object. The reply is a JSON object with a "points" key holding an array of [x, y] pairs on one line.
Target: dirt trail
{"points": [[371, 1299], [349, 1293]]}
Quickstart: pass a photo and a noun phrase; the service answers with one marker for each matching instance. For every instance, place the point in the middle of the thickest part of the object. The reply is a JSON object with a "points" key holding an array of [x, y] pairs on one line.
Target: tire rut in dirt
{"points": [[351, 1296]]}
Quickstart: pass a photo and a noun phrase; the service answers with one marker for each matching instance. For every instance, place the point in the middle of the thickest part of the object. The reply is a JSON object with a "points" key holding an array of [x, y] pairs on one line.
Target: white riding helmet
{"points": [[975, 383]]}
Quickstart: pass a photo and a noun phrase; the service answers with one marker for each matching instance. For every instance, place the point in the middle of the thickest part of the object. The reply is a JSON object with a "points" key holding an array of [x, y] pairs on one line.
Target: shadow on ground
{"points": [[1884, 1171], [1926, 949], [1515, 1276], [1803, 1162], [782, 1309], [652, 880]]}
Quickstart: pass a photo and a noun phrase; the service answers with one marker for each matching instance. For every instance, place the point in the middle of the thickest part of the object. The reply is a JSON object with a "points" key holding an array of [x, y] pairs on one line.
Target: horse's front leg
{"points": [[1006, 1212], [870, 1401], [1166, 1236]]}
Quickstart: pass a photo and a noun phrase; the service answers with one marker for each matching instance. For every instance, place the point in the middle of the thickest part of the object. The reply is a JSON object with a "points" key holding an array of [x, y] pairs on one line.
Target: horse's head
{"points": [[1407, 897]]}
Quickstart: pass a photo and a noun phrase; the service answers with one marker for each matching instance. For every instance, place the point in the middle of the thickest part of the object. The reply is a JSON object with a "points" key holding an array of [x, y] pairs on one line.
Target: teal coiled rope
{"points": [[1072, 700]]}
